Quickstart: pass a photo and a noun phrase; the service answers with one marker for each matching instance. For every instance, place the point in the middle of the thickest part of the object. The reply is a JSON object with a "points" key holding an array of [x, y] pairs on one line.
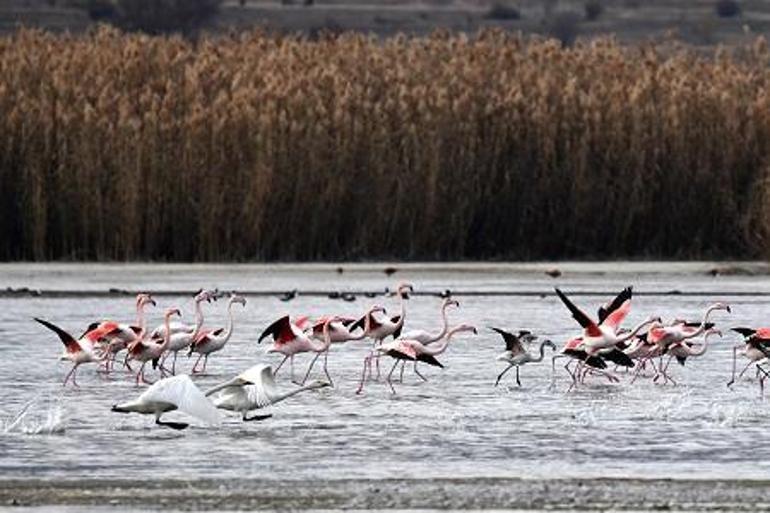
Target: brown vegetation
{"points": [[120, 146]]}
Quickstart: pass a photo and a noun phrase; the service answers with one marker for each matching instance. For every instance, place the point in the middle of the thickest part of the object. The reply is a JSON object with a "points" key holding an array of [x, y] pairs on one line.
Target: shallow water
{"points": [[456, 425]]}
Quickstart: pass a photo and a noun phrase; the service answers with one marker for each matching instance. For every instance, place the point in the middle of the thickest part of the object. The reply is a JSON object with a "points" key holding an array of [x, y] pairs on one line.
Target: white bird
{"points": [[169, 394], [254, 389], [516, 355]]}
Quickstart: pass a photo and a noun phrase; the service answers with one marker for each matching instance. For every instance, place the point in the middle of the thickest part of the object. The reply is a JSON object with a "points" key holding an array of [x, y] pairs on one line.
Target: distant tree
{"points": [[565, 26], [727, 8]]}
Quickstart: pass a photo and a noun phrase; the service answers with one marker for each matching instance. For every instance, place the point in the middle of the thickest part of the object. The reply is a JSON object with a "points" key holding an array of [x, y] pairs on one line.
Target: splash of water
{"points": [[37, 417]]}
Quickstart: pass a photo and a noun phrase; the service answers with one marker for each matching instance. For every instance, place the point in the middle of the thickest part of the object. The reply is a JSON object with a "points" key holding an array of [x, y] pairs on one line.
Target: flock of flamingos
{"points": [[646, 351]]}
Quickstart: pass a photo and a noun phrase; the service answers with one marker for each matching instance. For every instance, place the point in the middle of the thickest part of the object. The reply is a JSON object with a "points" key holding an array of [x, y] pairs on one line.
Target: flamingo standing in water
{"points": [[403, 349], [211, 341], [145, 350], [755, 347], [380, 329], [117, 335], [516, 355], [426, 337], [289, 339], [78, 351], [182, 338], [170, 394]]}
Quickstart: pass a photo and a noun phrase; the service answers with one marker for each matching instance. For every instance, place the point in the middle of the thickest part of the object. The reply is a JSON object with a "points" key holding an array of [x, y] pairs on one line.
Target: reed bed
{"points": [[262, 147]]}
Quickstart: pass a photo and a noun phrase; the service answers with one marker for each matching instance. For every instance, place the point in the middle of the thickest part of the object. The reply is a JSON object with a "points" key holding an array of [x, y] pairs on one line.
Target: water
{"points": [[456, 425]]}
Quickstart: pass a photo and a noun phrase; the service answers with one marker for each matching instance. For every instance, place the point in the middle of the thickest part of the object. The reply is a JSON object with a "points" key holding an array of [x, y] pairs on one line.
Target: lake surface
{"points": [[456, 425]]}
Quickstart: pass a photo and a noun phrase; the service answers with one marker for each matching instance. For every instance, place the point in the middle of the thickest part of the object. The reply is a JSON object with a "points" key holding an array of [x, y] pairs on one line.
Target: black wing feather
{"points": [[274, 329], [616, 303], [577, 314], [512, 342], [430, 360]]}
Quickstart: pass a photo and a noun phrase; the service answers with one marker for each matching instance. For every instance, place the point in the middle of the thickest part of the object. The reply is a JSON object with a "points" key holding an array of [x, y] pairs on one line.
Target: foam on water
{"points": [[38, 416]]}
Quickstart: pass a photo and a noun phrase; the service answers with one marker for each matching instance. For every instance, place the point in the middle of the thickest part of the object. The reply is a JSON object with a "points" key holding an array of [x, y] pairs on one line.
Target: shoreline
{"points": [[442, 493]]}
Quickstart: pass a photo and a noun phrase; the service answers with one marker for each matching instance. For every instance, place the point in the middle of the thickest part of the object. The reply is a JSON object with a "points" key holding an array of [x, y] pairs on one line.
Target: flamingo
{"points": [[684, 350], [755, 347], [254, 389], [515, 354], [211, 341], [117, 336], [182, 338], [289, 338], [426, 337], [572, 349], [403, 349], [179, 326], [80, 351], [380, 329], [679, 330], [169, 394], [145, 350], [340, 333]]}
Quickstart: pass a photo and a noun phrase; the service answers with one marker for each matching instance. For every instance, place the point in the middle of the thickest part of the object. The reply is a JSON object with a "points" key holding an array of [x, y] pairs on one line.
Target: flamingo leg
{"points": [[363, 375], [326, 368], [310, 367], [71, 373], [390, 374], [518, 381], [279, 365], [418, 372], [205, 362], [195, 366], [173, 363], [401, 376], [377, 359], [503, 374], [291, 362]]}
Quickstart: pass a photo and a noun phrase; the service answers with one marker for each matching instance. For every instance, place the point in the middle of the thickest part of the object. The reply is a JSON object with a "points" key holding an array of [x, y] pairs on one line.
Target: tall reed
{"points": [[259, 147]]}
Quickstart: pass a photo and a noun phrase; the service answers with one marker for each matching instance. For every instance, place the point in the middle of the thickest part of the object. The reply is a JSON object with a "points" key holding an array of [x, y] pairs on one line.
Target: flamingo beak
{"points": [[729, 310]]}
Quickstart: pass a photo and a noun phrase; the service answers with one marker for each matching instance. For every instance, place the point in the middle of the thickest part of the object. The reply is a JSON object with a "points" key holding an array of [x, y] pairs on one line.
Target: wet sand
{"points": [[487, 493]]}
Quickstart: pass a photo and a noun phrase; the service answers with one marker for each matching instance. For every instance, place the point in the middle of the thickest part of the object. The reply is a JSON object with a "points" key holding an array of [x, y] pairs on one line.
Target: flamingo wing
{"points": [[592, 330], [280, 330], [396, 320], [182, 393], [618, 357], [91, 327], [612, 315], [512, 342], [430, 360], [68, 340]]}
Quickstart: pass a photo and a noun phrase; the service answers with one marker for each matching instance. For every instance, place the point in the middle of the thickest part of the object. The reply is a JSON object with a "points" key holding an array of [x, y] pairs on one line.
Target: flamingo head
{"points": [[377, 308], [235, 298], [403, 289], [449, 301], [144, 299], [173, 311], [548, 343], [713, 331], [721, 306], [465, 327], [203, 295]]}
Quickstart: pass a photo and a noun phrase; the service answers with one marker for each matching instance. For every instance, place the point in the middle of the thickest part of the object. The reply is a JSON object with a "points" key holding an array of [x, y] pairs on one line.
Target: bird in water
{"points": [[755, 347], [78, 351], [516, 355], [170, 394], [254, 389]]}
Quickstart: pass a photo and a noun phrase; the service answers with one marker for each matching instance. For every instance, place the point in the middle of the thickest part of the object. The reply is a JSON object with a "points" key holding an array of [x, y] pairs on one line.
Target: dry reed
{"points": [[257, 147]]}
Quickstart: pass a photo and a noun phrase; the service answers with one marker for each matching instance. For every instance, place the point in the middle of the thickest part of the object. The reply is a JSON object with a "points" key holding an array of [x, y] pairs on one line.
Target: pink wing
{"points": [[614, 319], [762, 333]]}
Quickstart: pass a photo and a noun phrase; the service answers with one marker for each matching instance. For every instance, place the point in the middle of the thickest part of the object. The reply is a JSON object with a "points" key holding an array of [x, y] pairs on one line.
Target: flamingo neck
{"points": [[167, 334], [637, 329], [440, 347], [140, 321], [542, 352], [445, 326], [229, 328], [198, 318], [703, 323], [290, 393]]}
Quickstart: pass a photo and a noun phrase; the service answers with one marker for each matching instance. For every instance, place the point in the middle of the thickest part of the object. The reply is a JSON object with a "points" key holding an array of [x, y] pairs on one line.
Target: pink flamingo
{"points": [[425, 337], [151, 349], [118, 335], [755, 347], [572, 349], [684, 350], [80, 351], [289, 338], [340, 333], [211, 341], [182, 339], [403, 349], [380, 329]]}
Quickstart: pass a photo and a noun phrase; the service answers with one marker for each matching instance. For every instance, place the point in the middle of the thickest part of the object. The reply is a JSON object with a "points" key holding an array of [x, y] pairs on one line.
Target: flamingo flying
{"points": [[515, 354], [254, 389], [169, 394], [145, 350], [80, 351], [402, 349], [211, 341]]}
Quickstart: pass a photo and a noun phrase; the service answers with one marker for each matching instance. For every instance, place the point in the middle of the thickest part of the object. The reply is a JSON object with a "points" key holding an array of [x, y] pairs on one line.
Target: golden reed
{"points": [[117, 146]]}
